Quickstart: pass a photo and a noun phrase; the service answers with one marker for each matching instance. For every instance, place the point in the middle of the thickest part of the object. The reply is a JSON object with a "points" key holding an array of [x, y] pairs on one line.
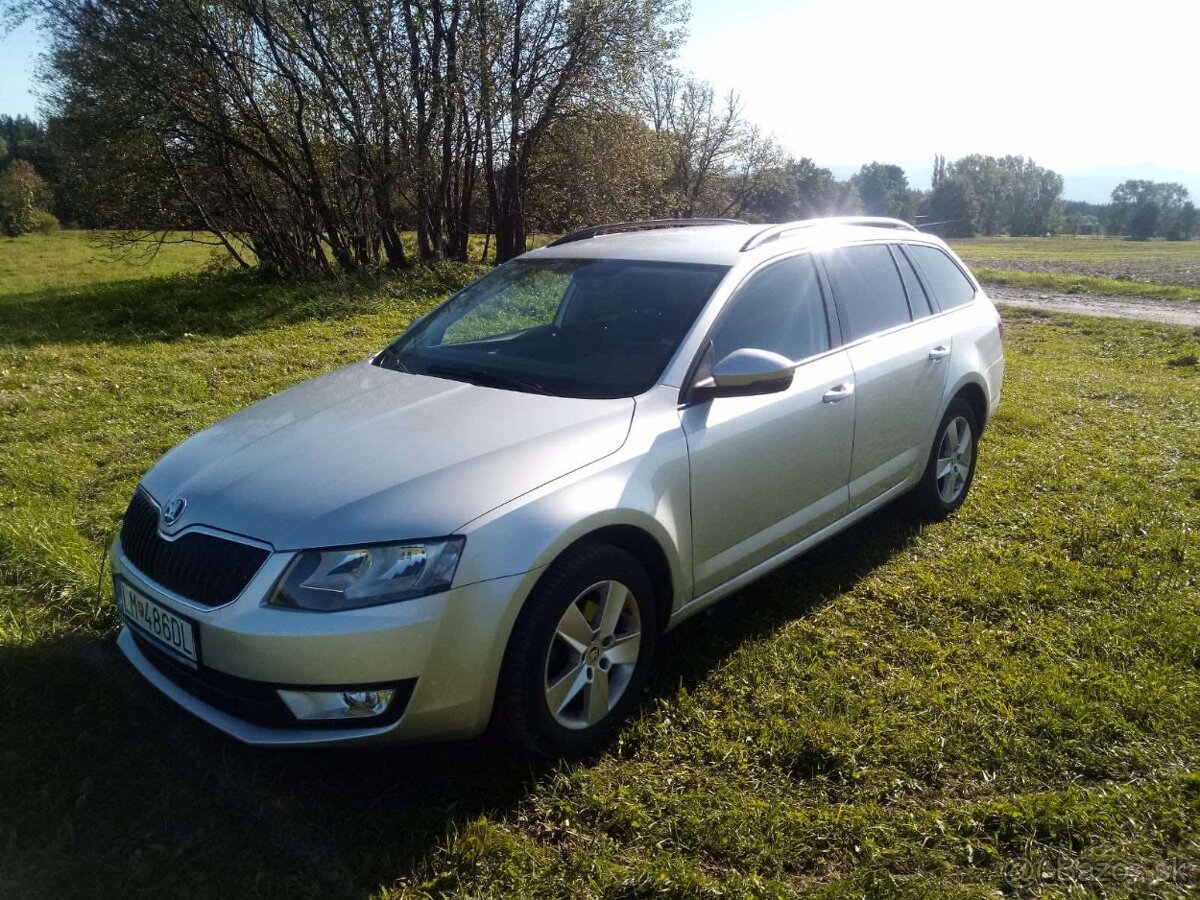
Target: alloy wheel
{"points": [[954, 459], [592, 654]]}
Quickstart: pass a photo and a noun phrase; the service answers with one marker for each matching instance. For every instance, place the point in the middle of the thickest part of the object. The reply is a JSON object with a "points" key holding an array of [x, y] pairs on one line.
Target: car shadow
{"points": [[700, 644], [108, 785]]}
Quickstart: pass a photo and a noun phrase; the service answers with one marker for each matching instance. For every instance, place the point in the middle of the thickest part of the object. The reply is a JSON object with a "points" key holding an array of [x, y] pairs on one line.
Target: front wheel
{"points": [[580, 652], [951, 467]]}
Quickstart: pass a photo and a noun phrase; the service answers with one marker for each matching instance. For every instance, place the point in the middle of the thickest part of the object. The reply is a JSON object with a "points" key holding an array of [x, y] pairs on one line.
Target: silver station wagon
{"points": [[496, 517]]}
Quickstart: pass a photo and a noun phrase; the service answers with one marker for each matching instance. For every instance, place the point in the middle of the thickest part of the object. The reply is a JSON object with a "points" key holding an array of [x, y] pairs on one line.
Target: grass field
{"points": [[1007, 701], [1165, 270]]}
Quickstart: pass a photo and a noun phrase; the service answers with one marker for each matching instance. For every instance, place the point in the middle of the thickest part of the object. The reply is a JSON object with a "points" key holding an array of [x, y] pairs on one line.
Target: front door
{"points": [[766, 471]]}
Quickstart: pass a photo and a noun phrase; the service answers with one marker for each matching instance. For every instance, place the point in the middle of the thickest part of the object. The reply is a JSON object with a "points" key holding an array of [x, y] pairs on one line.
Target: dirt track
{"points": [[1173, 312]]}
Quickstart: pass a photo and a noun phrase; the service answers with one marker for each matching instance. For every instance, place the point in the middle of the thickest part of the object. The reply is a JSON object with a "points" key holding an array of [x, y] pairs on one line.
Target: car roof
{"points": [[722, 244]]}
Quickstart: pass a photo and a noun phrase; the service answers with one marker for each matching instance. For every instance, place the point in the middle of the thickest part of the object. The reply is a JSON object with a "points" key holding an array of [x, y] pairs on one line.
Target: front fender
{"points": [[644, 485]]}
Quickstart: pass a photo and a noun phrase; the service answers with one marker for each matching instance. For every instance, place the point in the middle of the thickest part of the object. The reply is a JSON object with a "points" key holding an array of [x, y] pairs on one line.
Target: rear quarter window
{"points": [[950, 286], [918, 300]]}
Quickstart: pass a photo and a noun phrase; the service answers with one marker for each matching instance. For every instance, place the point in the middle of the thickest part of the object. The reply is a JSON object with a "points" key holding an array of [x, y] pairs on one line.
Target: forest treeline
{"points": [[316, 132]]}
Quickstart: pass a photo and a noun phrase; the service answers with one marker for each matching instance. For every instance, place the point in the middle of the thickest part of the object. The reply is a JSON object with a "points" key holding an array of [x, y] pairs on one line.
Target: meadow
{"points": [[1008, 701], [1165, 270]]}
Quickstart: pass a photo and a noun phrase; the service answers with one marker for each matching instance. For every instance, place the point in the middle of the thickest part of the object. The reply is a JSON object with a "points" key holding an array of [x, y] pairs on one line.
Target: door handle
{"points": [[838, 394], [941, 351]]}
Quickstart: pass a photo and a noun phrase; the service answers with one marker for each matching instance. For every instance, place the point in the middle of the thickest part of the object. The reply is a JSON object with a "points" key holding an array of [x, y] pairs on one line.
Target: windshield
{"points": [[570, 327]]}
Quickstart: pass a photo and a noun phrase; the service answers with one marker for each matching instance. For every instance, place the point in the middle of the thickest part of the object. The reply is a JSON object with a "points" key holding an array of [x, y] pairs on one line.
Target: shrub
{"points": [[23, 198], [42, 222]]}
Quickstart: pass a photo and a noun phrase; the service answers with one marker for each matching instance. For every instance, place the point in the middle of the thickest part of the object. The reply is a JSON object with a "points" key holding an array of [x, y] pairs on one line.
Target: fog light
{"points": [[373, 702], [324, 705]]}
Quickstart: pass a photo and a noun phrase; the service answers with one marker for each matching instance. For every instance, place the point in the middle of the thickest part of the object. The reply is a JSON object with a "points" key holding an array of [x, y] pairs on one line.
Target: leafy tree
{"points": [[883, 189], [1144, 220], [820, 194], [939, 171], [1186, 224], [595, 167], [766, 194], [757, 184], [1009, 194], [23, 138], [950, 209], [1081, 217], [1144, 209]]}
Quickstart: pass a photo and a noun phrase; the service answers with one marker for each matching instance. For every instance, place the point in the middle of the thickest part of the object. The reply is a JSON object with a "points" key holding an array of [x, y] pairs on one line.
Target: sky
{"points": [[1082, 87], [1077, 86]]}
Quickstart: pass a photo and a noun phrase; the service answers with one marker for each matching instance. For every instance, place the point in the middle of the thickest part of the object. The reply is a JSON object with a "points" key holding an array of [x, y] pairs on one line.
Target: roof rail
{"points": [[596, 230], [774, 232]]}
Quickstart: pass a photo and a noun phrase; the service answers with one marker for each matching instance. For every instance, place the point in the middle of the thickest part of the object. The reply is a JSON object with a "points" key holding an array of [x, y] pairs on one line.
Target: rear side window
{"points": [[918, 301], [949, 285], [868, 289], [780, 308]]}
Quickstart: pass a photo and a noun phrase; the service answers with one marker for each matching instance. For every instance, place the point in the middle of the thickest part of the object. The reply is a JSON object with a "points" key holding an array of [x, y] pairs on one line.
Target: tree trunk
{"points": [[509, 214]]}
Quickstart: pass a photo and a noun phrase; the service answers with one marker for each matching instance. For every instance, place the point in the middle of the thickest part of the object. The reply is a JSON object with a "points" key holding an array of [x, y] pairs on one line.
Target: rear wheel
{"points": [[951, 466], [580, 652]]}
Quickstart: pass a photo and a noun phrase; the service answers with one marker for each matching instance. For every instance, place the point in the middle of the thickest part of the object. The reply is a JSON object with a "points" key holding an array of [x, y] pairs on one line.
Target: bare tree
{"points": [[757, 177], [540, 60], [317, 130], [703, 136]]}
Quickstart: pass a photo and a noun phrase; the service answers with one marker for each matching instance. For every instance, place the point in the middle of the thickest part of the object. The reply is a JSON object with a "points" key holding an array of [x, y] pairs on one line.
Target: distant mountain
{"points": [[1092, 185]]}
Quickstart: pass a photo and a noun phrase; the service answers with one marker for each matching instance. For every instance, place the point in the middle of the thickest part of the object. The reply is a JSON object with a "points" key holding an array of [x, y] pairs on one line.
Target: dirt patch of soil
{"points": [[1172, 312]]}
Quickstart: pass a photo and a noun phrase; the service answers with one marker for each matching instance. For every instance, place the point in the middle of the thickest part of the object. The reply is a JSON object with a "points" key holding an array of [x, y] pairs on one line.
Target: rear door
{"points": [[767, 471], [900, 353]]}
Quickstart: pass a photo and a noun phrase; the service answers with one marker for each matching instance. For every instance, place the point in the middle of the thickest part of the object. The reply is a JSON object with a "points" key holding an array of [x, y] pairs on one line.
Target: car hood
{"points": [[369, 454]]}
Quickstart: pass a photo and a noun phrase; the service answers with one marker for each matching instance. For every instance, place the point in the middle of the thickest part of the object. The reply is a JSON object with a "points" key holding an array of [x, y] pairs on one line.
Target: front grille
{"points": [[257, 701], [204, 568]]}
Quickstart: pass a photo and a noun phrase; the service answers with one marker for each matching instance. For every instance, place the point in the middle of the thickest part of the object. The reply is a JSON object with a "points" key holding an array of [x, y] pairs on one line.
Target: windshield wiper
{"points": [[487, 379], [390, 359]]}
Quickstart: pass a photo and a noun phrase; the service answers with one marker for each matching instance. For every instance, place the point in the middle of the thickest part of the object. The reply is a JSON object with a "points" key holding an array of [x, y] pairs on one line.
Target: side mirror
{"points": [[748, 372]]}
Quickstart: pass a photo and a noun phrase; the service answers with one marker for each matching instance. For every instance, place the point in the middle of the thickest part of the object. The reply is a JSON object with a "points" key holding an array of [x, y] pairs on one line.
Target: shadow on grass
{"points": [[216, 305], [110, 789], [688, 653]]}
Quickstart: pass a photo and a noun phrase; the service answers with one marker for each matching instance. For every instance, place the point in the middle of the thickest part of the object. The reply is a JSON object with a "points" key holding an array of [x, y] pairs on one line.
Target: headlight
{"points": [[353, 577]]}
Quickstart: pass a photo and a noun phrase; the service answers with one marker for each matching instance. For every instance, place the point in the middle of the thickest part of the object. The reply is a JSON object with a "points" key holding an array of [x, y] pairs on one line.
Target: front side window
{"points": [[949, 285], [868, 289], [780, 308], [598, 328]]}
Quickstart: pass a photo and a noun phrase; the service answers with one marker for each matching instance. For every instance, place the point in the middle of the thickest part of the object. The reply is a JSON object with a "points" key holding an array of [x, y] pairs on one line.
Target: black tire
{"points": [[522, 705], [926, 502]]}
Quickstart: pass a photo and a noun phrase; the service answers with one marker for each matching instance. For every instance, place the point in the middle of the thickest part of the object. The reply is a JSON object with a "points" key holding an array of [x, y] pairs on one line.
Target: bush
{"points": [[24, 195], [42, 222]]}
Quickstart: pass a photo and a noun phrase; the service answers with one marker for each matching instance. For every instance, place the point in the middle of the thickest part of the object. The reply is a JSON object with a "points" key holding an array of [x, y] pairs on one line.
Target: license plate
{"points": [[173, 631]]}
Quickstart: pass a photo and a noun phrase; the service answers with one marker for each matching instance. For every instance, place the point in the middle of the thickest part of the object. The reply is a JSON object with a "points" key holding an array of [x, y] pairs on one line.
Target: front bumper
{"points": [[442, 652]]}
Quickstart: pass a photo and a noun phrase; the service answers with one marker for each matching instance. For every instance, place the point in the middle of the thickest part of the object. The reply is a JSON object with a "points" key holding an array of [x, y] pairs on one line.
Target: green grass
{"points": [[1008, 701], [59, 260], [1165, 270]]}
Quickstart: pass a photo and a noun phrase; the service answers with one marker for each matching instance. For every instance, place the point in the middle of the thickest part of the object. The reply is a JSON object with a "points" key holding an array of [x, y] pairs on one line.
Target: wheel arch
{"points": [[650, 555], [638, 542], [975, 395]]}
